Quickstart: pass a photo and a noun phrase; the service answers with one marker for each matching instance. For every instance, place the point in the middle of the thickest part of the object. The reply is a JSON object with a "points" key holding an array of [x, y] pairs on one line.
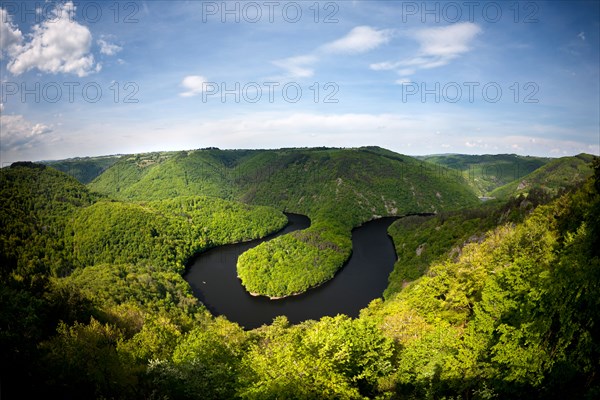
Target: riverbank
{"points": [[364, 276]]}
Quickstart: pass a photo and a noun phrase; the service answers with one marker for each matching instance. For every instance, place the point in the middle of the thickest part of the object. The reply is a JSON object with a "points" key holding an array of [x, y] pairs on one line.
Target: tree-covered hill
{"points": [[512, 313], [165, 232], [557, 175], [423, 240], [37, 205], [298, 180], [337, 188], [70, 256], [84, 169], [484, 173]]}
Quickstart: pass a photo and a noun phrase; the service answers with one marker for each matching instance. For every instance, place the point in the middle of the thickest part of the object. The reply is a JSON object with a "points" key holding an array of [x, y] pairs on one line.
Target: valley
{"points": [[150, 262]]}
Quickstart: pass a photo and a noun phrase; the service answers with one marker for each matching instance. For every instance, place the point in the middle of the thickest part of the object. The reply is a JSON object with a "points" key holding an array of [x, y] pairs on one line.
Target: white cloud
{"points": [[298, 67], [438, 46], [10, 35], [18, 133], [110, 49], [359, 40], [58, 44], [406, 71], [581, 36], [447, 41], [383, 66], [194, 85]]}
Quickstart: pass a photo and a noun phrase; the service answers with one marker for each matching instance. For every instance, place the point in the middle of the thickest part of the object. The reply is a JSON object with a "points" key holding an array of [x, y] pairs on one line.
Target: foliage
{"points": [[484, 173], [149, 288], [423, 240], [553, 178], [100, 279], [338, 189], [206, 363], [292, 263], [37, 202], [84, 360], [165, 233], [84, 169], [332, 358], [513, 314]]}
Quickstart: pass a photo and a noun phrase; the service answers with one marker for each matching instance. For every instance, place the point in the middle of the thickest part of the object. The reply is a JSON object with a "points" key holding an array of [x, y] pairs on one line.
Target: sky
{"points": [[91, 78]]}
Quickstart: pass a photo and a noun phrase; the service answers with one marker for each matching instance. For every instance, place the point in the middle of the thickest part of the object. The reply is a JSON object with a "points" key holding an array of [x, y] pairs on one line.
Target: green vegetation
{"points": [[423, 240], [293, 263], [510, 314], [70, 259], [84, 169], [338, 189], [484, 173], [37, 202], [554, 177], [165, 232]]}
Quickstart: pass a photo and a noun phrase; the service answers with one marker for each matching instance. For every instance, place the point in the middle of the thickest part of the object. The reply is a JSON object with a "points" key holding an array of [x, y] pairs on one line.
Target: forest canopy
{"points": [[501, 302]]}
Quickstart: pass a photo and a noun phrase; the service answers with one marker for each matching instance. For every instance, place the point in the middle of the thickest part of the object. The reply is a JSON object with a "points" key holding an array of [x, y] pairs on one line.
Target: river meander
{"points": [[213, 278]]}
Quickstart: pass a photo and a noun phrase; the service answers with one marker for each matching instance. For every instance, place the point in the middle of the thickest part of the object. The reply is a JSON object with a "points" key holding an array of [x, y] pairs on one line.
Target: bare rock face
{"points": [[420, 249]]}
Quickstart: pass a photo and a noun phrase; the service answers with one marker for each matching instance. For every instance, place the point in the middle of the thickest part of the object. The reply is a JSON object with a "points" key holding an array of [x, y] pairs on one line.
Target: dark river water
{"points": [[213, 278]]}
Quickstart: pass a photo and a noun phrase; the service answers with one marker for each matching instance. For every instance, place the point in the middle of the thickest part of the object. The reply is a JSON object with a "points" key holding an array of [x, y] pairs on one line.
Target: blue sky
{"points": [[95, 78]]}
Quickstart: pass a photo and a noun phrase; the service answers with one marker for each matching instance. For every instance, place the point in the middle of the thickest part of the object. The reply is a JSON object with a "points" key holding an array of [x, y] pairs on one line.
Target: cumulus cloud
{"points": [[19, 133], [10, 35], [359, 40], [109, 49], [194, 85], [58, 44], [437, 47]]}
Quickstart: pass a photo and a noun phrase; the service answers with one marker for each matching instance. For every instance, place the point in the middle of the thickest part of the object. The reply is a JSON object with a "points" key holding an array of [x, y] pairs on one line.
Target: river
{"points": [[213, 278]]}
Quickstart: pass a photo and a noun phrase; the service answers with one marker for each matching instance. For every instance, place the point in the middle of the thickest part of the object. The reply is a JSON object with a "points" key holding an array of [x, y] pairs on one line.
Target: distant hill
{"points": [[371, 181], [557, 175], [84, 169], [484, 173]]}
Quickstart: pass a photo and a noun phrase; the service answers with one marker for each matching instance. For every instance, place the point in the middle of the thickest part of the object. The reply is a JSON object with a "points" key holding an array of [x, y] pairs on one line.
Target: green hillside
{"points": [[84, 169], [484, 173], [557, 175], [337, 188], [92, 303], [424, 240], [165, 233], [37, 204], [300, 180]]}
